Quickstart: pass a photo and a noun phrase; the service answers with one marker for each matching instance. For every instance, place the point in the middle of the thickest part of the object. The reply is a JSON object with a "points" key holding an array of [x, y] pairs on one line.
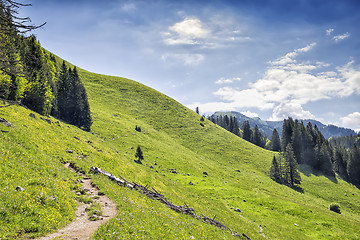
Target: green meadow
{"points": [[33, 153]]}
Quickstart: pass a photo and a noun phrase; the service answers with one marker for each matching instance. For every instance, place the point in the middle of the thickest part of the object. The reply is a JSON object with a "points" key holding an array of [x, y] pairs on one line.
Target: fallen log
{"points": [[157, 196]]}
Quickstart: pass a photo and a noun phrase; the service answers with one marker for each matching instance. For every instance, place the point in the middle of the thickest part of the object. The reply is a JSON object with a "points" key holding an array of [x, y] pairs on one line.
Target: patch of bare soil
{"points": [[82, 228]]}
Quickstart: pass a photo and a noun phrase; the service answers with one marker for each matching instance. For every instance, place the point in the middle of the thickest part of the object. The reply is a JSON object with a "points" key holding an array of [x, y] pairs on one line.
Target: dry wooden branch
{"points": [[157, 196]]}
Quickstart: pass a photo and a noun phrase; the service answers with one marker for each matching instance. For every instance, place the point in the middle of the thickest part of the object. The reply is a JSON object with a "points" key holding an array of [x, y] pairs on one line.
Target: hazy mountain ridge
{"points": [[268, 126]]}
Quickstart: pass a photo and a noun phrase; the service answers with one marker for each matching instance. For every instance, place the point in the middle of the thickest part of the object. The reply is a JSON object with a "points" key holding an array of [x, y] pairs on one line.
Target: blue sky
{"points": [[270, 59]]}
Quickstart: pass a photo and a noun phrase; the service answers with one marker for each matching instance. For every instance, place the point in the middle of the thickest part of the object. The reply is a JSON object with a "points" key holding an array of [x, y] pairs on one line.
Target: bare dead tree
{"points": [[9, 17]]}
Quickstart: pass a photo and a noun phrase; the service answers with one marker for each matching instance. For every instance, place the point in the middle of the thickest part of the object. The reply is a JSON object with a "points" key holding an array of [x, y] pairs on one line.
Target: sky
{"points": [[269, 59]]}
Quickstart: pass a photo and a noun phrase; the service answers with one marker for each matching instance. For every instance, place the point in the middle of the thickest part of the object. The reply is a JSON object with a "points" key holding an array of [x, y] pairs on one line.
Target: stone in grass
{"points": [[5, 122], [32, 115], [18, 188], [191, 183], [69, 151], [205, 173], [237, 210]]}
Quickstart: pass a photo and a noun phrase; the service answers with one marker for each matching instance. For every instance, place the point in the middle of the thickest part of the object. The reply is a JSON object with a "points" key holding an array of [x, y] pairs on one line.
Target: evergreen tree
{"points": [[340, 156], [247, 132], [291, 173], [296, 141], [139, 154], [286, 133], [275, 171], [275, 141], [353, 166], [72, 101], [257, 137], [235, 128]]}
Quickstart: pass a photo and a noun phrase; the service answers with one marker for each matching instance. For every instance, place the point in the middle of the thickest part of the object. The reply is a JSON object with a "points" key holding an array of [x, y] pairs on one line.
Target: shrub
{"points": [[335, 208]]}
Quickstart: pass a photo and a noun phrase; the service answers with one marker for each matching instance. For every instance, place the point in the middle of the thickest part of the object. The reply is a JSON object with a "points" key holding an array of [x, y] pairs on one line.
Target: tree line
{"points": [[310, 147], [300, 144], [30, 75], [231, 124]]}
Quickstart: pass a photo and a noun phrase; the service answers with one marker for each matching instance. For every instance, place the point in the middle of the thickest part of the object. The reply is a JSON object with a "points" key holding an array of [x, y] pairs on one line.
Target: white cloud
{"points": [[189, 31], [217, 31], [338, 38], [329, 31], [244, 98], [184, 58], [227, 80], [287, 85], [289, 57], [352, 121], [294, 110], [250, 114]]}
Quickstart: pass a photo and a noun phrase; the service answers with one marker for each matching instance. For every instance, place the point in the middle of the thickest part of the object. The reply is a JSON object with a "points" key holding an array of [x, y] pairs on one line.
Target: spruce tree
{"points": [[291, 173], [353, 166], [275, 170], [247, 132], [286, 133], [296, 141], [139, 154], [275, 141], [235, 128], [257, 137]]}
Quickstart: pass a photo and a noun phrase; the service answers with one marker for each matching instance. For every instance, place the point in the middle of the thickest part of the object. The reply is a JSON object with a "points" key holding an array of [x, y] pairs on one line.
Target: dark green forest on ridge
{"points": [[30, 75]]}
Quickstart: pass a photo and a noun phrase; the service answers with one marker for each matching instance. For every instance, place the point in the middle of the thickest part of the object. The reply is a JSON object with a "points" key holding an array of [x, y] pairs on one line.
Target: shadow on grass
{"points": [[297, 188], [308, 171]]}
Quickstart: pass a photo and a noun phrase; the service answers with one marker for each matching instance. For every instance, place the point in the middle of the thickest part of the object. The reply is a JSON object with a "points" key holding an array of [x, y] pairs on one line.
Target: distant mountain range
{"points": [[267, 127]]}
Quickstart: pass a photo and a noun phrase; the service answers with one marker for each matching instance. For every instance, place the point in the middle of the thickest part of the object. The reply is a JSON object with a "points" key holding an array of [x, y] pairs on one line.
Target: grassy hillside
{"points": [[32, 152]]}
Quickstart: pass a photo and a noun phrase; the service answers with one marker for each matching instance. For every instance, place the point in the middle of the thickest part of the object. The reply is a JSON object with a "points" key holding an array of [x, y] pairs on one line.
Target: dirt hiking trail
{"points": [[82, 228]]}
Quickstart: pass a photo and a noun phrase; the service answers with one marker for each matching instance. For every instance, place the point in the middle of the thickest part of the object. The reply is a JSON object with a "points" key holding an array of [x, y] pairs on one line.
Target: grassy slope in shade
{"points": [[171, 137]]}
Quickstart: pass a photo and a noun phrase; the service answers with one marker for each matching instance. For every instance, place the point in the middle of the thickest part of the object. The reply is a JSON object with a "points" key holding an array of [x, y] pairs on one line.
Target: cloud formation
{"points": [[338, 38], [352, 121], [287, 85], [227, 80], [189, 31], [217, 31]]}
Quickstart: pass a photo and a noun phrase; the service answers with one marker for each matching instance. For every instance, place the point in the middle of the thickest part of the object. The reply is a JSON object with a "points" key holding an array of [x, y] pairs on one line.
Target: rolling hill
{"points": [[178, 148]]}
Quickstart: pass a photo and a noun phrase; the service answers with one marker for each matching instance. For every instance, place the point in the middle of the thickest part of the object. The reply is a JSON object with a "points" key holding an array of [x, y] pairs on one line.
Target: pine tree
{"points": [[139, 154], [275, 141], [72, 101], [235, 128], [275, 171], [286, 133], [247, 132], [257, 137], [340, 156], [353, 166], [296, 141], [291, 173]]}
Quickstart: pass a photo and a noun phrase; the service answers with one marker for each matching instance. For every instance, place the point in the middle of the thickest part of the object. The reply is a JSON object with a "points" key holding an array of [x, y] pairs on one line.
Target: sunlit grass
{"points": [[32, 153]]}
